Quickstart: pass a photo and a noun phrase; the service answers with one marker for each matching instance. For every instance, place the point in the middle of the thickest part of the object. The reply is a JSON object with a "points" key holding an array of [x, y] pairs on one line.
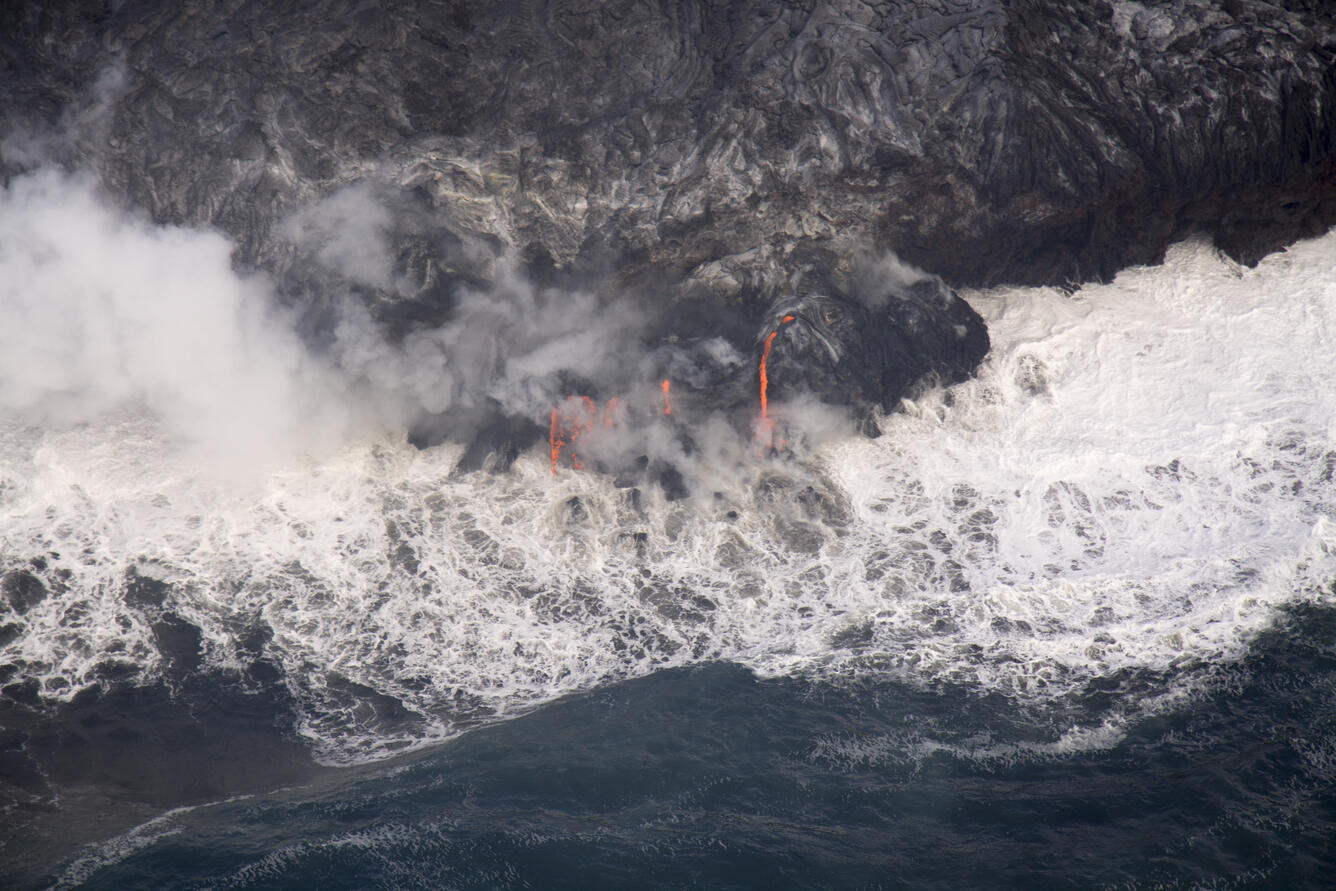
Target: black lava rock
{"points": [[696, 147], [22, 590]]}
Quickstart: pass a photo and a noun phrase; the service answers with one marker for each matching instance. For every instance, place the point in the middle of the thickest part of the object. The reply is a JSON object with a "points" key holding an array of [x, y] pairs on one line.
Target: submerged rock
{"points": [[22, 590]]}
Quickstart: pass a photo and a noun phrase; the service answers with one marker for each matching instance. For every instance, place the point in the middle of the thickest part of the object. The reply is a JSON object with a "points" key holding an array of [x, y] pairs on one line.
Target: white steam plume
{"points": [[877, 278], [99, 309], [348, 232]]}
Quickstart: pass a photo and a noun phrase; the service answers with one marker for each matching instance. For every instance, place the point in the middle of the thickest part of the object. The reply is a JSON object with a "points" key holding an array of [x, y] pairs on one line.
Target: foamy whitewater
{"points": [[1141, 475]]}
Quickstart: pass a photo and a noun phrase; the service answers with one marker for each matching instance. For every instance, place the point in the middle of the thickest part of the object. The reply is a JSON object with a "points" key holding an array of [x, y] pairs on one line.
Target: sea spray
{"points": [[1138, 479]]}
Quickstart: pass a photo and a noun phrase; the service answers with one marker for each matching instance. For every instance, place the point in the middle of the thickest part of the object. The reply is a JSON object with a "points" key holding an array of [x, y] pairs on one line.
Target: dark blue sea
{"points": [[710, 777]]}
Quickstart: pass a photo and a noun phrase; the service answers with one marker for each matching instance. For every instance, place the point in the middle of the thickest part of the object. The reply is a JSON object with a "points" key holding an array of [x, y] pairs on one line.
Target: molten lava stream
{"points": [[579, 414], [575, 416], [554, 440], [767, 426]]}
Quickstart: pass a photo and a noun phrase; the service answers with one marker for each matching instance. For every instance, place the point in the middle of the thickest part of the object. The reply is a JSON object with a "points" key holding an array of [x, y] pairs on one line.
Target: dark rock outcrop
{"points": [[703, 148], [22, 590], [870, 356]]}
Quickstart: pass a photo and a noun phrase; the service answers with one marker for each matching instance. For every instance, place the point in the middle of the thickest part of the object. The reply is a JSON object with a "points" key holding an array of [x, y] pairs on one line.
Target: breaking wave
{"points": [[1141, 475]]}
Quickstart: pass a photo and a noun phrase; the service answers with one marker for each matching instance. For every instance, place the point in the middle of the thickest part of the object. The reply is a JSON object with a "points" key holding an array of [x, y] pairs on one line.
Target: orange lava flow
{"points": [[554, 440], [765, 357], [765, 381], [575, 416], [578, 415]]}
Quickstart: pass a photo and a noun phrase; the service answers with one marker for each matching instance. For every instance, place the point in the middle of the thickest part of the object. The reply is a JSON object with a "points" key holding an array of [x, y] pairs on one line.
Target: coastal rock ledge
{"points": [[708, 148]]}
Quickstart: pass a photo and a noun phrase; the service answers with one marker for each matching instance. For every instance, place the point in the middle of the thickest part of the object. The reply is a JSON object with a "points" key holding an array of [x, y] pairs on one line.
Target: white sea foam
{"points": [[908, 750], [1138, 479], [102, 854], [99, 309]]}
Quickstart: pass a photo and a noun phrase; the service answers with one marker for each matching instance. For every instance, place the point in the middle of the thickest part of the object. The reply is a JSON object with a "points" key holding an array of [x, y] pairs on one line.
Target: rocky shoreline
{"points": [[713, 150]]}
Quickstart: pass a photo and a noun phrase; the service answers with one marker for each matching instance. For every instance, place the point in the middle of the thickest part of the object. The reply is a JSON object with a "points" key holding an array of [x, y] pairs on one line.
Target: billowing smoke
{"points": [[348, 233], [509, 345], [879, 278], [511, 353], [99, 309]]}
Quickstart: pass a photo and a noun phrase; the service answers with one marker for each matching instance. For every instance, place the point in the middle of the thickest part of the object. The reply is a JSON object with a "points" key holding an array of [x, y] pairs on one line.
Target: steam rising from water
{"points": [[1140, 476], [100, 311]]}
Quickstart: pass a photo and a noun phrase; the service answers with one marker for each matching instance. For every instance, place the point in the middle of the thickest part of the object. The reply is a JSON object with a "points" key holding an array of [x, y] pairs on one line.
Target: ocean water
{"points": [[1069, 624], [710, 777]]}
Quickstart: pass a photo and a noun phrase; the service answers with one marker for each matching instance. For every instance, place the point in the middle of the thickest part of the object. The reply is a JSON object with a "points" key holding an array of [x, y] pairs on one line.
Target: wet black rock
{"points": [[498, 441], [871, 353], [701, 148], [144, 591], [22, 590], [671, 482], [9, 632], [180, 643], [574, 512]]}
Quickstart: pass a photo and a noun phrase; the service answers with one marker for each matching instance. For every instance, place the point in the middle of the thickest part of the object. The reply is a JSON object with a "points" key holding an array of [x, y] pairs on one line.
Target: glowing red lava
{"points": [[578, 415], [573, 417], [765, 357], [554, 440]]}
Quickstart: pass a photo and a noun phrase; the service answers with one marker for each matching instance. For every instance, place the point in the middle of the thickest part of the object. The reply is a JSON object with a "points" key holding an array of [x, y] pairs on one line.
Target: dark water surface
{"points": [[709, 777]]}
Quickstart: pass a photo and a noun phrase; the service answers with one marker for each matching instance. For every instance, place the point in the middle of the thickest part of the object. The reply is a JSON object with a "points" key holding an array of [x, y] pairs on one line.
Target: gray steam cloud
{"points": [[348, 233], [512, 344], [876, 279], [100, 308]]}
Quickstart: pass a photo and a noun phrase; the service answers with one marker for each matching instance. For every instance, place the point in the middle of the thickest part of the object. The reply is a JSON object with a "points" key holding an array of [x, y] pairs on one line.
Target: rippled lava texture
{"points": [[709, 148]]}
